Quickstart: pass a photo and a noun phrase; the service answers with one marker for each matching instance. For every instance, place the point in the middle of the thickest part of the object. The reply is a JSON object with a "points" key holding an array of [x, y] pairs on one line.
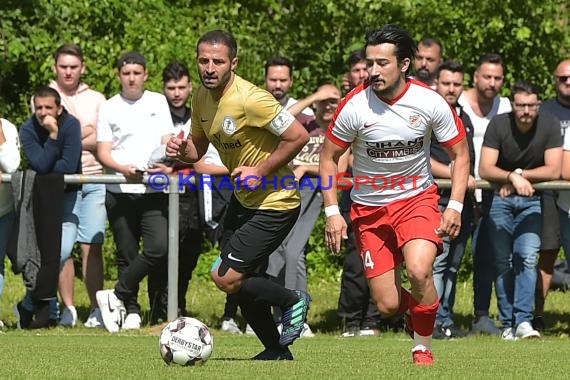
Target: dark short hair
{"points": [[131, 57], [393, 34], [490, 58], [449, 65], [48, 92], [429, 42], [221, 37], [279, 60], [523, 86], [69, 49], [323, 82], [356, 56], [176, 71]]}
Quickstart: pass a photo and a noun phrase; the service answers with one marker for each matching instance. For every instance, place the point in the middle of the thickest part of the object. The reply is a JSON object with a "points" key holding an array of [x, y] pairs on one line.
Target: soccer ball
{"points": [[186, 341]]}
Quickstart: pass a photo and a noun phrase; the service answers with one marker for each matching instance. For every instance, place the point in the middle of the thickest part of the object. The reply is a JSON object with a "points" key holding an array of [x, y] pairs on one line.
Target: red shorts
{"points": [[381, 232]]}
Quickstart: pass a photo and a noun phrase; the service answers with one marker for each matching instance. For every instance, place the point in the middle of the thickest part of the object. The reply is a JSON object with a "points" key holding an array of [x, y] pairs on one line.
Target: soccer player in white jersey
{"points": [[388, 122]]}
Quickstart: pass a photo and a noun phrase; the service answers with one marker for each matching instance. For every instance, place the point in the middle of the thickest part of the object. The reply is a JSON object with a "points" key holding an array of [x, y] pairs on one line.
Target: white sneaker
{"points": [[112, 310], [68, 316], [307, 332], [132, 322], [94, 320], [229, 325], [525, 330], [1, 325], [507, 334], [249, 330], [280, 328]]}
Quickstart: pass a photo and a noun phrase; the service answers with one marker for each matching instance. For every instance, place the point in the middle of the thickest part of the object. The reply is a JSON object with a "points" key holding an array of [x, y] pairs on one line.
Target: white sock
{"points": [[421, 342]]}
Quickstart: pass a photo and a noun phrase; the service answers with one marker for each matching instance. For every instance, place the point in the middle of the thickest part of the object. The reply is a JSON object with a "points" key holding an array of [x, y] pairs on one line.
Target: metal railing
{"points": [[173, 215]]}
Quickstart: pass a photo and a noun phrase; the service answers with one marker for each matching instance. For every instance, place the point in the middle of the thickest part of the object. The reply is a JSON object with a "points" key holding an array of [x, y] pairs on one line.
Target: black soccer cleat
{"points": [[274, 354]]}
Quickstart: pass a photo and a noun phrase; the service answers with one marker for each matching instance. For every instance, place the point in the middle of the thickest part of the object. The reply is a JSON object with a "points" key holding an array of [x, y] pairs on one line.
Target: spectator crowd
{"points": [[516, 231]]}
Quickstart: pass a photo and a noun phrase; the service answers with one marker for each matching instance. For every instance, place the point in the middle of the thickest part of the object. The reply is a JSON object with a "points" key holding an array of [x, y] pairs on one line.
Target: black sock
{"points": [[230, 307], [260, 289], [259, 317]]}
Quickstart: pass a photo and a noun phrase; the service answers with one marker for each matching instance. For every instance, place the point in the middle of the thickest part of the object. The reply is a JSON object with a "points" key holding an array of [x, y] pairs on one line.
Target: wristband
{"points": [[455, 205], [332, 210]]}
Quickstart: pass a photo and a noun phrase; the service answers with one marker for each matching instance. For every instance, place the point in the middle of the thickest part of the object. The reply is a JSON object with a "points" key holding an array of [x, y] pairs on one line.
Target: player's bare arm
{"points": [[293, 139], [441, 170], [335, 230], [345, 161], [187, 150], [204, 168], [451, 218]]}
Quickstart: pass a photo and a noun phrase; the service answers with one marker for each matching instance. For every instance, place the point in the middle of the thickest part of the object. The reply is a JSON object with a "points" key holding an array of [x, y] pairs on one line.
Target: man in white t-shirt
{"points": [[388, 123], [131, 126], [481, 103], [9, 163]]}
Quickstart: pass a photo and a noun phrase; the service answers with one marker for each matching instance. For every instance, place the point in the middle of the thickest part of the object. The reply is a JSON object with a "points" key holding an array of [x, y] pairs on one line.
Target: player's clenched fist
{"points": [[176, 148]]}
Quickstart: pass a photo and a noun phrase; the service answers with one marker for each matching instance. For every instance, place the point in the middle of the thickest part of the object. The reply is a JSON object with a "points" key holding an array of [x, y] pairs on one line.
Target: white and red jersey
{"points": [[390, 139]]}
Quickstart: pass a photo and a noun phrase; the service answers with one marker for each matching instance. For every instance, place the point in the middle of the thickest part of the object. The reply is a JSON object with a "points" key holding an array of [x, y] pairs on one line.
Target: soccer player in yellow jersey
{"points": [[256, 139]]}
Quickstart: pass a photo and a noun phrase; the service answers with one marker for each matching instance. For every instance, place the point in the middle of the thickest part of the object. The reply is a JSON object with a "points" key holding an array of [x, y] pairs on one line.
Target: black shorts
{"points": [[251, 235], [550, 236]]}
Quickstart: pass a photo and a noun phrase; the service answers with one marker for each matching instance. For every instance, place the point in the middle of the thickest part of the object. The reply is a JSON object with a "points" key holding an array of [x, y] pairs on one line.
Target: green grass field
{"points": [[85, 353], [82, 354]]}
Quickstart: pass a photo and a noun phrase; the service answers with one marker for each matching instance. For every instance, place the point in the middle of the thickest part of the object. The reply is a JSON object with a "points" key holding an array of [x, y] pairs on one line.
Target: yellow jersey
{"points": [[237, 126]]}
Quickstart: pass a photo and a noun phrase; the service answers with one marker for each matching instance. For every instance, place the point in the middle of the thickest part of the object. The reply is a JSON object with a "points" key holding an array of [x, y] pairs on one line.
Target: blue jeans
{"points": [[445, 270], [6, 222], [515, 223], [91, 213]]}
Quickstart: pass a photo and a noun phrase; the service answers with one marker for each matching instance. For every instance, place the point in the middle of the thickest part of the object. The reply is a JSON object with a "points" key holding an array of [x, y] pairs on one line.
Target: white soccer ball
{"points": [[186, 341]]}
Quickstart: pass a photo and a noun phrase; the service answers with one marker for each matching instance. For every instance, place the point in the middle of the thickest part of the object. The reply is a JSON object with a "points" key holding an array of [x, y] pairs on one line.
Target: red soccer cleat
{"points": [[423, 357]]}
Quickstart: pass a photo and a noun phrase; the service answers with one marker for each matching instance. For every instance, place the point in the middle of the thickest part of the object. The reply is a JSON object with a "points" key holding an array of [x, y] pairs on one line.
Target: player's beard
{"points": [[390, 91]]}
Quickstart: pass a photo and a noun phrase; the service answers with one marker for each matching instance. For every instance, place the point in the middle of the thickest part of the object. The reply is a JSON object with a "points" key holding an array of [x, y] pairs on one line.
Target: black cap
{"points": [[131, 57]]}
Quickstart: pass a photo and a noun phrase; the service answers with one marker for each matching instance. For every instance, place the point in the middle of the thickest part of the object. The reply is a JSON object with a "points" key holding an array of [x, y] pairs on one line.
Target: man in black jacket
{"points": [[449, 84]]}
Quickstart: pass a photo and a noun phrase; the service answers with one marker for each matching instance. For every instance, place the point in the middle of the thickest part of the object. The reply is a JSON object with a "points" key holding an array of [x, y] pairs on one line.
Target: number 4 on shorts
{"points": [[368, 263]]}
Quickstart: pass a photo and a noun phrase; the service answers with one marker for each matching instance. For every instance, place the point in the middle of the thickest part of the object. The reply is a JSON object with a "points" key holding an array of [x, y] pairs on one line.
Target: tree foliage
{"points": [[316, 34]]}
